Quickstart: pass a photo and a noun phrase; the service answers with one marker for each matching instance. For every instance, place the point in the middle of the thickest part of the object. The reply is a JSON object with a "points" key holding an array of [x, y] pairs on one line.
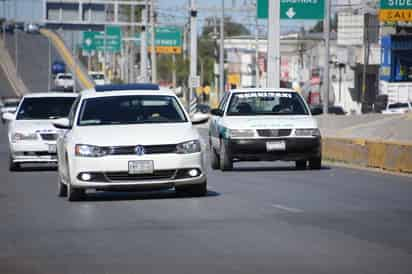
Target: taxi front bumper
{"points": [[33, 152]]}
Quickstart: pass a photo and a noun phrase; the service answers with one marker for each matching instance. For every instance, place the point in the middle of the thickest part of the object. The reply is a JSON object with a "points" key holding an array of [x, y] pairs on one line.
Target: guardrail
{"points": [[390, 156], [68, 58]]}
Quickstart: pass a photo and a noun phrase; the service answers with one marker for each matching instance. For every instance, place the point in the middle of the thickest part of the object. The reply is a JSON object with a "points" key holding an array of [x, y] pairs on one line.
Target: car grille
{"points": [[157, 175], [130, 150], [49, 136], [274, 132]]}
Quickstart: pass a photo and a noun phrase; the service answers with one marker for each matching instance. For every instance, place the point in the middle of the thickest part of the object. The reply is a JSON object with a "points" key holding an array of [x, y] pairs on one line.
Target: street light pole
{"points": [[153, 46], [326, 32], [274, 45], [49, 72], [193, 50], [143, 45], [222, 52], [16, 51]]}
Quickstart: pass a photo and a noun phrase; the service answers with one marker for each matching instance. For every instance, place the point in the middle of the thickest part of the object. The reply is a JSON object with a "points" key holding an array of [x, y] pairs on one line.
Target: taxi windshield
{"points": [[44, 108], [136, 109], [266, 103]]}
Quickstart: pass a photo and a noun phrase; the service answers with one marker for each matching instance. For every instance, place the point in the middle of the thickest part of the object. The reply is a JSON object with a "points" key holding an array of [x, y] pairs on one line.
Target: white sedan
{"points": [[32, 137], [398, 108], [64, 81], [129, 137]]}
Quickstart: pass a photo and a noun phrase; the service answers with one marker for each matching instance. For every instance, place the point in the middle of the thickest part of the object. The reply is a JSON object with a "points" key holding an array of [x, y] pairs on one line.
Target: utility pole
{"points": [[50, 65], [222, 53], [326, 32], [143, 45], [365, 56], [131, 74], [153, 46], [257, 52], [16, 52], [193, 50], [274, 45]]}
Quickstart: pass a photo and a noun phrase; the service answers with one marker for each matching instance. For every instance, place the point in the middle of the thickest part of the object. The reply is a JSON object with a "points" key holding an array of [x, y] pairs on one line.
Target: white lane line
{"points": [[286, 208]]}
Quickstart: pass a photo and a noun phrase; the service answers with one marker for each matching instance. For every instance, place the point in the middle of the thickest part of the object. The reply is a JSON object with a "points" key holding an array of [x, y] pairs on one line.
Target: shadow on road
{"points": [[112, 196], [275, 168]]}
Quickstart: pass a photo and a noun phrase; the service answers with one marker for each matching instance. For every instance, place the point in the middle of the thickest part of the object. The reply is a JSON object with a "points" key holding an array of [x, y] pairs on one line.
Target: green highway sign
{"points": [[294, 9], [95, 41], [167, 40], [396, 4]]}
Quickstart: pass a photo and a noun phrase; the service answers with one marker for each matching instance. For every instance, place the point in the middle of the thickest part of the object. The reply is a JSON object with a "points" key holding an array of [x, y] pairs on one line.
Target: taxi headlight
{"points": [[23, 137], [188, 147], [90, 151], [307, 132], [241, 133]]}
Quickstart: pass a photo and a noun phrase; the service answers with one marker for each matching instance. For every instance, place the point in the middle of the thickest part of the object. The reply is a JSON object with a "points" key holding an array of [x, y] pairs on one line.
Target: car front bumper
{"points": [[111, 172], [33, 152], [256, 149]]}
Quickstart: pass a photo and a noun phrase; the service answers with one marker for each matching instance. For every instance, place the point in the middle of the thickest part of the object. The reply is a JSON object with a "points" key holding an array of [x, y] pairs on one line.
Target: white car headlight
{"points": [[17, 136], [90, 151], [188, 147], [241, 133], [305, 132]]}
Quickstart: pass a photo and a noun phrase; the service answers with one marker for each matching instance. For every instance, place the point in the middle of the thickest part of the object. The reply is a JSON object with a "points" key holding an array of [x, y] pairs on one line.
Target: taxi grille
{"points": [[49, 136], [130, 150], [125, 176], [274, 132]]}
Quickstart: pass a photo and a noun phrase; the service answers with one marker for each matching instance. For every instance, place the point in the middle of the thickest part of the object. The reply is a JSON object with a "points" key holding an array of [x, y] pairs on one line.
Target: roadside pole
{"points": [[174, 71], [326, 32], [143, 45], [50, 67], [153, 46], [131, 75], [273, 80], [222, 53], [193, 51], [16, 51], [257, 52]]}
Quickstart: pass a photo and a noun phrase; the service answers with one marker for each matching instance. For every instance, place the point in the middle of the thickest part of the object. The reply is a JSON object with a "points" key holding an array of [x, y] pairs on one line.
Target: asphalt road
{"points": [[260, 218]]}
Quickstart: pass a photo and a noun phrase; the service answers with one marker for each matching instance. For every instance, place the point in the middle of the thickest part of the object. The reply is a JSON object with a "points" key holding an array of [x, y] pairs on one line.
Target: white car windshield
{"points": [[65, 77], [44, 108], [266, 103], [398, 105], [134, 109], [97, 76]]}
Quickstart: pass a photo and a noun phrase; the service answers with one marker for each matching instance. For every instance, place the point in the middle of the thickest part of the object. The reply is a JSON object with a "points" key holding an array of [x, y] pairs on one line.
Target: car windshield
{"points": [[65, 77], [398, 105], [97, 76], [135, 109], [266, 103], [44, 108], [11, 103]]}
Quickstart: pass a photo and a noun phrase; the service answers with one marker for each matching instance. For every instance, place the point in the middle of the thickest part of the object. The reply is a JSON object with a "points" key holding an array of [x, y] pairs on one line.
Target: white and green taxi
{"points": [[264, 125]]}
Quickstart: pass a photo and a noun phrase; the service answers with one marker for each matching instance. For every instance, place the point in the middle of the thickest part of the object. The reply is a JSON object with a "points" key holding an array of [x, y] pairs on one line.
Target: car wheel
{"points": [[300, 165], [197, 190], [13, 166], [315, 163], [225, 160], [214, 161]]}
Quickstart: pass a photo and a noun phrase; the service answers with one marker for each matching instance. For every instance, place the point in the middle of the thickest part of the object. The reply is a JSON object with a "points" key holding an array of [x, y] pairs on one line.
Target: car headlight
{"points": [[188, 147], [241, 133], [307, 132], [90, 151], [23, 137]]}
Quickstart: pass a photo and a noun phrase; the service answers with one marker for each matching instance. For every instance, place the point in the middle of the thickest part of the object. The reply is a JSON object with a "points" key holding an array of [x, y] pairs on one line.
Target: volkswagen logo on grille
{"points": [[139, 150]]}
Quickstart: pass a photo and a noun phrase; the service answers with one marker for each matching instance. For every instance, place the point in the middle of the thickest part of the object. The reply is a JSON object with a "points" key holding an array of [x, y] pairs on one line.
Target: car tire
{"points": [[301, 165], [197, 190], [225, 160], [13, 166], [74, 194], [61, 189], [315, 163], [214, 161]]}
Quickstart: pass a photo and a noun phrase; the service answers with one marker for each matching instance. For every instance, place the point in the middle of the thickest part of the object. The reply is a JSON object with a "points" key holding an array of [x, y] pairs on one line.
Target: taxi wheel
{"points": [[225, 160], [300, 165], [13, 166], [315, 163], [214, 161]]}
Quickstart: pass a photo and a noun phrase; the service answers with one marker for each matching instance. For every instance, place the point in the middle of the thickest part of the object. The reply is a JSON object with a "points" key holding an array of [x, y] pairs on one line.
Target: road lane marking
{"points": [[286, 208]]}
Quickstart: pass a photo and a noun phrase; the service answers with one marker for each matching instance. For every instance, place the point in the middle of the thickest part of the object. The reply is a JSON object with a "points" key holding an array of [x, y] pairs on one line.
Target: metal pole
{"points": [[326, 32], [174, 71], [132, 47], [143, 45], [74, 60], [16, 51], [273, 44], [222, 52], [193, 49], [365, 57], [50, 65], [257, 53], [153, 46]]}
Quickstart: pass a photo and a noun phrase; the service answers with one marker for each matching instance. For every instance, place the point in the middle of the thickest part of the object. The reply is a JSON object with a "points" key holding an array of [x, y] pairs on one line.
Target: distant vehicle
{"points": [[98, 78], [64, 81], [264, 125], [8, 105], [32, 136], [318, 110], [129, 137], [9, 27], [58, 67], [20, 26], [398, 108], [32, 28]]}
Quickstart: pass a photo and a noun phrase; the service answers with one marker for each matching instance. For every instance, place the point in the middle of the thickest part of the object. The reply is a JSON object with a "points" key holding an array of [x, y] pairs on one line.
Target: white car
{"points": [[32, 136], [129, 137], [398, 108], [264, 125], [8, 105], [64, 81], [98, 78]]}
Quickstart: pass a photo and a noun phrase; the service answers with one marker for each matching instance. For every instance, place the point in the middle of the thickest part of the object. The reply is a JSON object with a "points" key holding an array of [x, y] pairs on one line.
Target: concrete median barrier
{"points": [[391, 156]]}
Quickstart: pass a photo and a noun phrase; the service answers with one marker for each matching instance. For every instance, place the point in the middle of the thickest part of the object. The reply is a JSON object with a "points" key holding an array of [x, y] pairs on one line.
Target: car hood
{"points": [[32, 126], [130, 135], [270, 122]]}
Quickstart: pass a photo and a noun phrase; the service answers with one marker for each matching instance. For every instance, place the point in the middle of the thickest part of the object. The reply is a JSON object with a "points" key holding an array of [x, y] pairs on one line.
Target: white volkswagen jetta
{"points": [[32, 136], [129, 137]]}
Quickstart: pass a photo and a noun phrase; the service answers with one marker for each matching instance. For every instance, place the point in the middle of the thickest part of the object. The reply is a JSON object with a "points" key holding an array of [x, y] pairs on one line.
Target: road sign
{"points": [[394, 11], [94, 40], [194, 82], [168, 40], [294, 9]]}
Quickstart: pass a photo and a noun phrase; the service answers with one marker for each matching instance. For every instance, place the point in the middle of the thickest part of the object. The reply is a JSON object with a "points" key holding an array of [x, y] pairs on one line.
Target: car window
{"points": [[44, 108], [267, 103], [398, 105], [73, 111], [65, 77], [135, 109], [223, 102], [97, 76]]}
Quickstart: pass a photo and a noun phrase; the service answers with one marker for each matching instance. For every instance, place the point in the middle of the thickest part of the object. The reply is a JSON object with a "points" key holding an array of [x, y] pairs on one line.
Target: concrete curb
{"points": [[390, 156]]}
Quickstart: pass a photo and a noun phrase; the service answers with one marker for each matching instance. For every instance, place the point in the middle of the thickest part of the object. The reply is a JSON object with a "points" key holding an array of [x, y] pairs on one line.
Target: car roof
{"points": [[50, 94], [92, 93], [262, 90]]}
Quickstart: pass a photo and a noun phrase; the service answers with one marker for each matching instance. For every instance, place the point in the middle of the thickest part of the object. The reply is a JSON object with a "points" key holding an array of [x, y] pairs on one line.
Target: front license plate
{"points": [[276, 146], [141, 167], [52, 149]]}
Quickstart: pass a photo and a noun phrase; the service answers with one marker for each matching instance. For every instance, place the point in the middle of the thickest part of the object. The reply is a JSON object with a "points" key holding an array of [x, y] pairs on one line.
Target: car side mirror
{"points": [[62, 123], [8, 116], [216, 112], [199, 118]]}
